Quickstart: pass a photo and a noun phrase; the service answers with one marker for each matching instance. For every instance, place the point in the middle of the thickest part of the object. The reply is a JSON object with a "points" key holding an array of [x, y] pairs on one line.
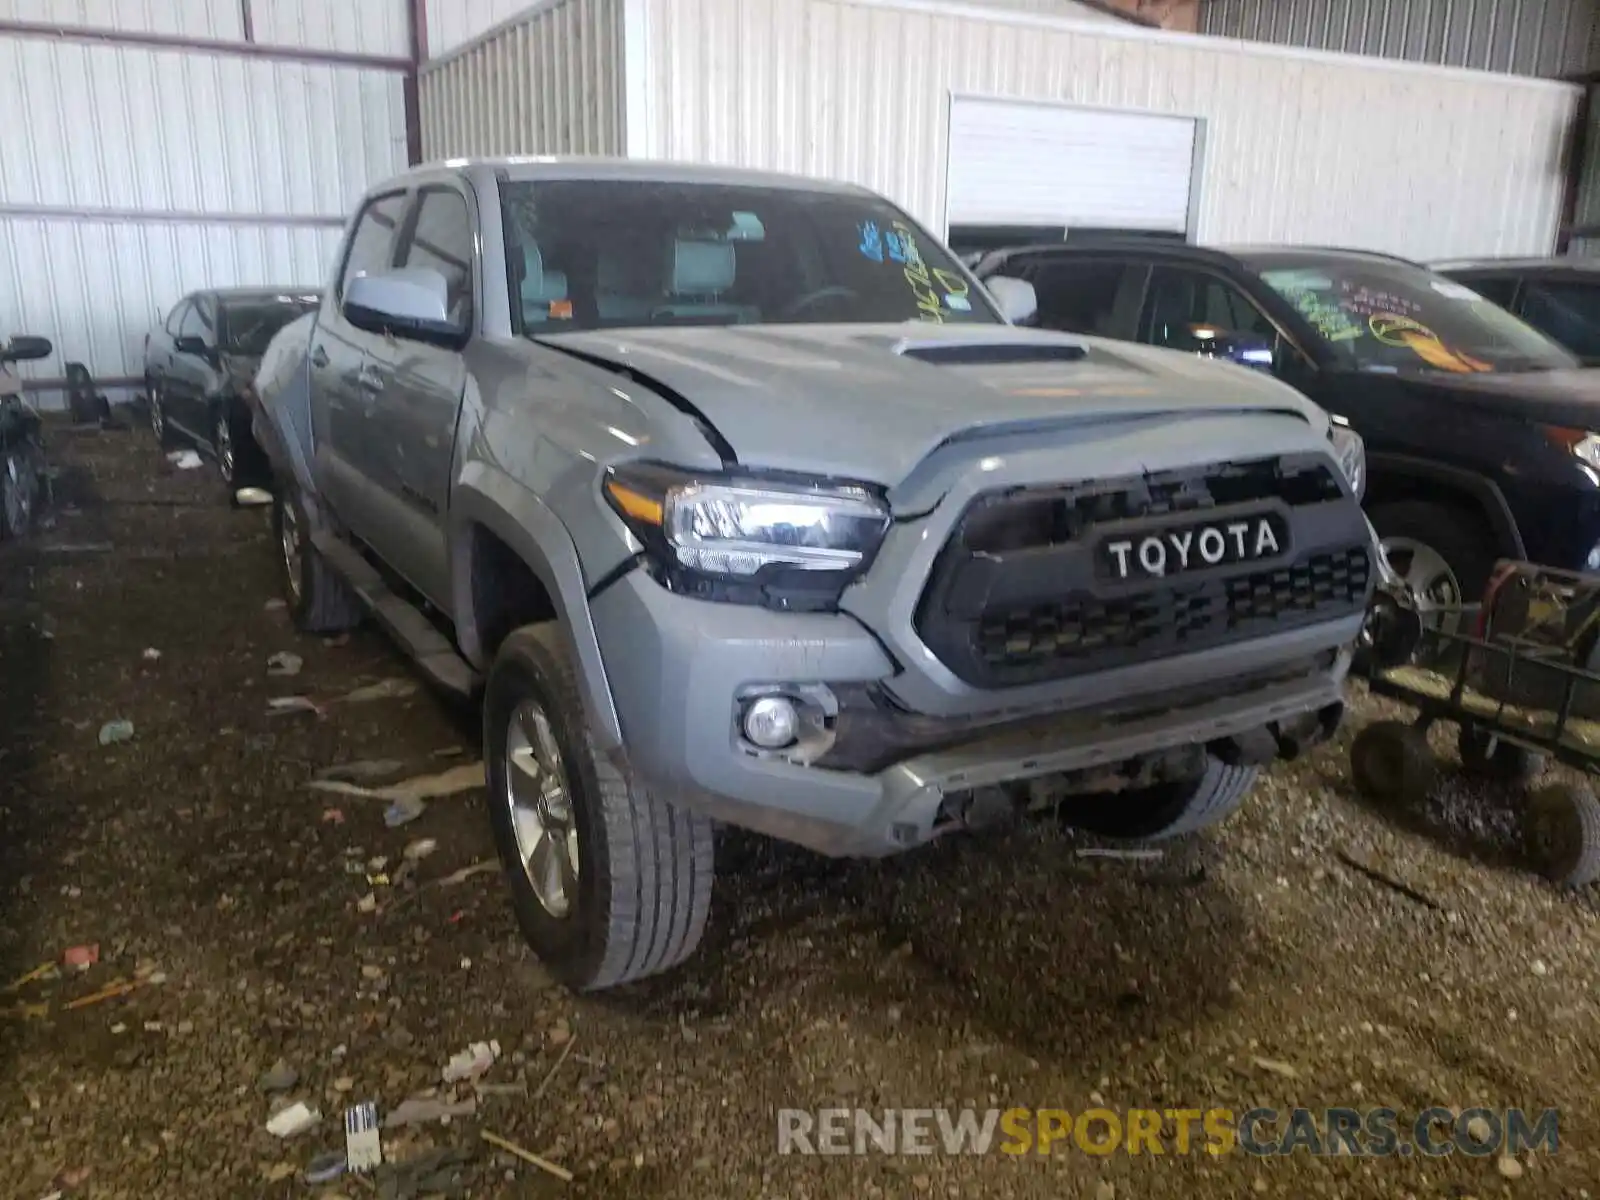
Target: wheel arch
{"points": [[1396, 477], [492, 516]]}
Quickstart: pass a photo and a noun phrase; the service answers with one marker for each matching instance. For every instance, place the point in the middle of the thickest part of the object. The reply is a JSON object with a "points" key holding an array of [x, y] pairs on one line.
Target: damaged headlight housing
{"points": [[1351, 453], [778, 535]]}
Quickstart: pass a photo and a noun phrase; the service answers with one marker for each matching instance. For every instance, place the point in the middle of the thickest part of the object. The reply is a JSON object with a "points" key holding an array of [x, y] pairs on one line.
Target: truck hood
{"points": [[870, 402]]}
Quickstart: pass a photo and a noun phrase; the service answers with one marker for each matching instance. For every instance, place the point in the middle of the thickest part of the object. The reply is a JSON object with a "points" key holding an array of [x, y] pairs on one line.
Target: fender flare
{"points": [[1483, 491], [486, 496]]}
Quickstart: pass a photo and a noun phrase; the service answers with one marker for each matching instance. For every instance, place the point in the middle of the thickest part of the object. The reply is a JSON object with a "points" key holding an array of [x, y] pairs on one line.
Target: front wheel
{"points": [[158, 416], [609, 883], [222, 444], [320, 601], [1563, 834], [1442, 555]]}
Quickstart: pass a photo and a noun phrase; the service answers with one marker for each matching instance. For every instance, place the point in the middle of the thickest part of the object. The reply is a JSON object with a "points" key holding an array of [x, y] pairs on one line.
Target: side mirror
{"points": [[25, 348], [190, 345], [1015, 297], [1246, 349], [413, 302]]}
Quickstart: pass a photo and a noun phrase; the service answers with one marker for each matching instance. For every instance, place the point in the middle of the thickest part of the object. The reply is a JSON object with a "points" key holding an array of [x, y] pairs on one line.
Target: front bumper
{"points": [[1265, 656], [678, 665]]}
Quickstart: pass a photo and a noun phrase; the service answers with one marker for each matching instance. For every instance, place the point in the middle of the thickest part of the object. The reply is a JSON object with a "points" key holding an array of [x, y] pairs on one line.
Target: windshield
{"points": [[583, 254], [1375, 315], [249, 325]]}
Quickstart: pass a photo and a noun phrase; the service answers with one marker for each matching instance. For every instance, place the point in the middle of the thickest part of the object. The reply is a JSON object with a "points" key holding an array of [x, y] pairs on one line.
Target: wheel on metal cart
{"points": [[1391, 761], [1563, 833], [1495, 758]]}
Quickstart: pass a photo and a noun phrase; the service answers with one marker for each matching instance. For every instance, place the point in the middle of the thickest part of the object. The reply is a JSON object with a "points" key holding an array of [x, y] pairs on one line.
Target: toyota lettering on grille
{"points": [[1194, 548]]}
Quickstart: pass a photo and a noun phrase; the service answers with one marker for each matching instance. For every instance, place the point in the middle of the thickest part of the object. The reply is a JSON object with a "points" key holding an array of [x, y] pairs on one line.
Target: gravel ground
{"points": [[996, 971]]}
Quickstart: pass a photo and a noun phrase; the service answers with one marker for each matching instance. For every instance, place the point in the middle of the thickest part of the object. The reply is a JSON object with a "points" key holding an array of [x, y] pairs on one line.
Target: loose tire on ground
{"points": [[320, 601], [1391, 761], [1494, 758], [643, 885], [1563, 834], [1168, 810]]}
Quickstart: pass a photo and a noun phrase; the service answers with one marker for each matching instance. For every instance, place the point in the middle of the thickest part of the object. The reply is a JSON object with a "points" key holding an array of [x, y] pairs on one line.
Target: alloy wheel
{"points": [[158, 416], [1426, 573], [539, 798], [292, 548], [223, 439]]}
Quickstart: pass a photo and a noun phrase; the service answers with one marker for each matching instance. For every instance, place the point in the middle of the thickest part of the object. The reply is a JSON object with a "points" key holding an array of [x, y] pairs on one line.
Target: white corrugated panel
{"points": [[129, 175], [1024, 163], [126, 127], [454, 22], [185, 18], [550, 82], [348, 26], [95, 288], [1299, 147]]}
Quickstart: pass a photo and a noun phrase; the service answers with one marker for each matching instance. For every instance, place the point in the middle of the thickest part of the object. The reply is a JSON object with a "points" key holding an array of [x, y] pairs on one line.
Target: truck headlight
{"points": [[1351, 452], [749, 528]]}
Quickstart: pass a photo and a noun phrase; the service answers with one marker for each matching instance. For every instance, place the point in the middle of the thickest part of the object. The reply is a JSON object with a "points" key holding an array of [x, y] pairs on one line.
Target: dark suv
{"points": [[1483, 435], [1557, 296]]}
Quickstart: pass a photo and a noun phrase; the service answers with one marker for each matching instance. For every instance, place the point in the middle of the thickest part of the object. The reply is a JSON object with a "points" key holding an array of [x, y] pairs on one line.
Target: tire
{"points": [[19, 490], [1391, 761], [642, 888], [1167, 810], [1450, 533], [1493, 758], [224, 445], [159, 425], [320, 601], [1563, 834]]}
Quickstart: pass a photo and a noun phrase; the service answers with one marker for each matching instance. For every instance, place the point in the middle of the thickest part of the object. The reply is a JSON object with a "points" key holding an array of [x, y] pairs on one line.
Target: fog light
{"points": [[771, 722]]}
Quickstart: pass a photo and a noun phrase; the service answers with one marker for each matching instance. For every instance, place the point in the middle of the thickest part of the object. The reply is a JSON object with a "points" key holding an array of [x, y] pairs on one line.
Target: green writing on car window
{"points": [[1327, 317]]}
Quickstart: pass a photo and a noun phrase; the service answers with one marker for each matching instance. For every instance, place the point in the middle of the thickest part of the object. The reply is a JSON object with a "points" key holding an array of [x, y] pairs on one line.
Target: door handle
{"points": [[319, 356]]}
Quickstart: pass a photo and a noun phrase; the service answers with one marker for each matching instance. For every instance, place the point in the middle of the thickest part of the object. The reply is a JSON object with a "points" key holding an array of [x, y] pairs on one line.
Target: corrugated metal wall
{"points": [[130, 175], [550, 82], [1300, 147], [453, 23], [1525, 37]]}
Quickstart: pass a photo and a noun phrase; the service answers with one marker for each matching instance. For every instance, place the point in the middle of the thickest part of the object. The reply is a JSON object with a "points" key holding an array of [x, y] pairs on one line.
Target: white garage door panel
{"points": [[1044, 164]]}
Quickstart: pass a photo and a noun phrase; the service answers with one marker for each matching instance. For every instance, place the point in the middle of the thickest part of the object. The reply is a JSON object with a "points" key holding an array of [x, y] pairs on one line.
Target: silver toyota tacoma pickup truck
{"points": [[741, 501]]}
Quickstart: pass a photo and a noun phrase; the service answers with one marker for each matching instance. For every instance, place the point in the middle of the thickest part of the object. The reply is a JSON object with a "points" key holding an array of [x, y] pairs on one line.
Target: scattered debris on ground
{"points": [[116, 731]]}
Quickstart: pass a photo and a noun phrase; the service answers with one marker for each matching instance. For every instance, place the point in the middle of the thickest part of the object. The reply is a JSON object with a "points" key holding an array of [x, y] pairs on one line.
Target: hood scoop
{"points": [[991, 351]]}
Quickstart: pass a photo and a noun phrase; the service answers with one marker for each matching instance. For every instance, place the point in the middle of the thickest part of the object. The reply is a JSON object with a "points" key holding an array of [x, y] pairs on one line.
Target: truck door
{"points": [[344, 382], [420, 389]]}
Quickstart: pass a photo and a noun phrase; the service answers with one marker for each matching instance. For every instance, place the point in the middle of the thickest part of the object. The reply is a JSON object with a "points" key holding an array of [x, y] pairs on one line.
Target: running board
{"points": [[435, 657]]}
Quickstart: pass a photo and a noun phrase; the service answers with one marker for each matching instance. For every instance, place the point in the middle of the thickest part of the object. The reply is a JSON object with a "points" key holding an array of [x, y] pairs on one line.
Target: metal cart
{"points": [[1519, 675]]}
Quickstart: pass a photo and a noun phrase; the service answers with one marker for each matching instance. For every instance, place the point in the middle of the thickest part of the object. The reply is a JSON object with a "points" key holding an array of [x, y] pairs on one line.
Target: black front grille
{"points": [[1016, 598], [1169, 620]]}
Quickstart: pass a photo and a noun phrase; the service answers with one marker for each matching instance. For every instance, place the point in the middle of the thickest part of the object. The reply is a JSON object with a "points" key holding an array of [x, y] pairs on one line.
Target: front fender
{"points": [[487, 496], [281, 413]]}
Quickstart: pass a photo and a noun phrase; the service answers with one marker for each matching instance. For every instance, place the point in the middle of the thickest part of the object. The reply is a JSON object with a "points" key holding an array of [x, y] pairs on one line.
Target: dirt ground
{"points": [[1003, 971]]}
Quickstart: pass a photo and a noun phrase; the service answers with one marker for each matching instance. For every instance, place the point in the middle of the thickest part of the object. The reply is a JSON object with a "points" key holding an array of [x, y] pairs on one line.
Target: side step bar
{"points": [[435, 657]]}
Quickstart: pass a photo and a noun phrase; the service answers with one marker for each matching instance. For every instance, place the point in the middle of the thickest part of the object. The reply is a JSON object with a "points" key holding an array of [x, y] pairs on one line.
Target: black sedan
{"points": [[1482, 434], [1557, 296], [200, 364]]}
